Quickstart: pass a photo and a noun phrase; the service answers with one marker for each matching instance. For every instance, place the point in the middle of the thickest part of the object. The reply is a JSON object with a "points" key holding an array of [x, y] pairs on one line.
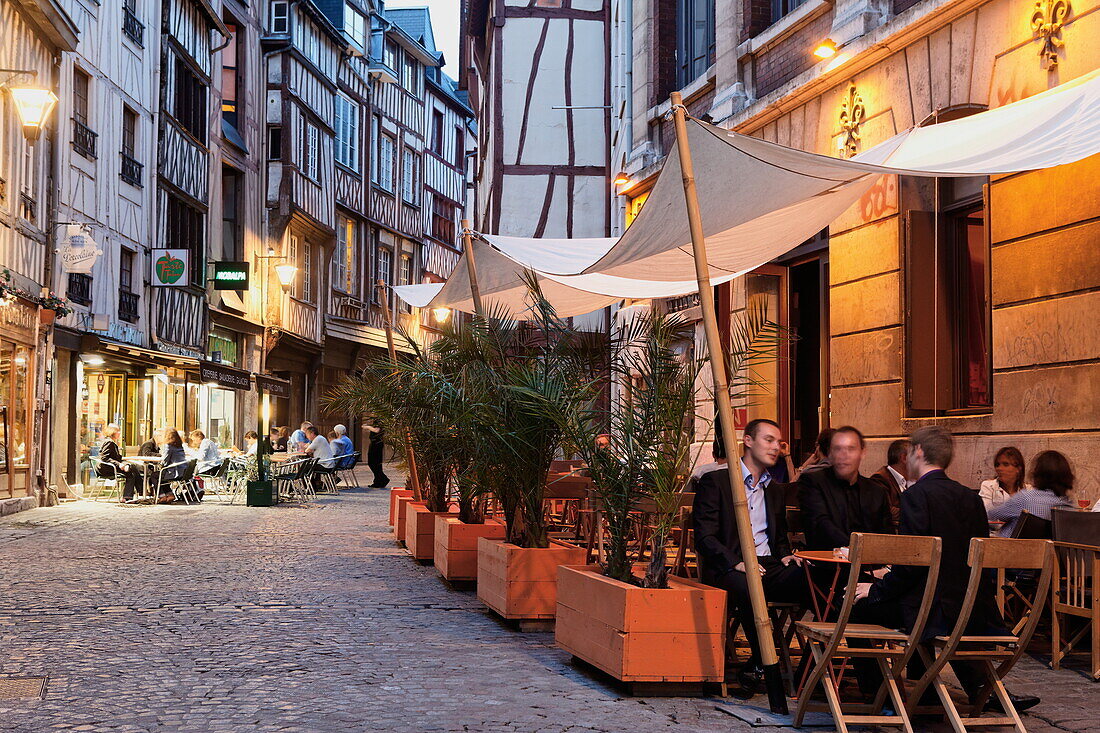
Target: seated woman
{"points": [[1052, 477], [1008, 464], [251, 442], [174, 464], [111, 465], [205, 451]]}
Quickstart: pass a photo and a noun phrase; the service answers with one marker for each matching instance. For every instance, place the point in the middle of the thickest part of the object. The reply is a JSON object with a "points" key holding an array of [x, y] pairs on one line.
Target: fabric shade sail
{"points": [[503, 285], [759, 200]]}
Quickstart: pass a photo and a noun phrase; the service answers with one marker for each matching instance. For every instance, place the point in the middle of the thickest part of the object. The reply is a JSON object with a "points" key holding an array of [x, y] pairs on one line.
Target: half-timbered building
{"points": [[303, 52], [33, 36], [537, 75]]}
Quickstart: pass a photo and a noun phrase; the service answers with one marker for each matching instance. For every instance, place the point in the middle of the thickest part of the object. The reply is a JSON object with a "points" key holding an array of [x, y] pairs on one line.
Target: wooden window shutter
{"points": [[929, 332]]}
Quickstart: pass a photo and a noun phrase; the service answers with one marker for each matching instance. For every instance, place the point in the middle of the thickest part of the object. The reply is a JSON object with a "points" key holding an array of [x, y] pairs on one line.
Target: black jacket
{"points": [[936, 506], [823, 498], [716, 542], [886, 480], [111, 456], [149, 448]]}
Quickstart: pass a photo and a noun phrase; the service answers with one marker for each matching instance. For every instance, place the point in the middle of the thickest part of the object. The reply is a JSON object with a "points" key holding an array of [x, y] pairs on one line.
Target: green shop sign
{"points": [[231, 276]]}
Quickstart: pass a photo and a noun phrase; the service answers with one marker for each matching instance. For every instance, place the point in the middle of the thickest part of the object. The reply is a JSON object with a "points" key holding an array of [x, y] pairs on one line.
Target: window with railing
{"points": [[130, 170], [80, 288], [84, 137], [132, 27]]}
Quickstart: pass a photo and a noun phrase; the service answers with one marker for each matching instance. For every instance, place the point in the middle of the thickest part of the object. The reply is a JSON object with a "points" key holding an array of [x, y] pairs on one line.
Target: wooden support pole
{"points": [[471, 267], [410, 454], [768, 656]]}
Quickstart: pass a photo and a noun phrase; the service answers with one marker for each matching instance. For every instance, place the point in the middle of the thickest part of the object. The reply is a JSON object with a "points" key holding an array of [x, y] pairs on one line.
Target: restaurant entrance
{"points": [[18, 325]]}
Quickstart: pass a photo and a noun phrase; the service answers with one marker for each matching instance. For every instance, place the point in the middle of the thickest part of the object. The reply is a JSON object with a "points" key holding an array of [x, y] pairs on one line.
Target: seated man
{"points": [[318, 447], [837, 500], [716, 542], [935, 506], [892, 477]]}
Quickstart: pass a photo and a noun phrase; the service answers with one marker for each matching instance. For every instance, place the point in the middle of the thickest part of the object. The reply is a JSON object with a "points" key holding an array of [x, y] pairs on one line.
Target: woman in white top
{"points": [[1008, 464], [205, 450]]}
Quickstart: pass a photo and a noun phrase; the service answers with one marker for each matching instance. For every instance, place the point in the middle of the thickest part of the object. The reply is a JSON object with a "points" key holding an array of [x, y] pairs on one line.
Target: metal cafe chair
{"points": [[293, 480], [100, 486], [184, 486], [1074, 591], [214, 481], [890, 648], [346, 467], [996, 654]]}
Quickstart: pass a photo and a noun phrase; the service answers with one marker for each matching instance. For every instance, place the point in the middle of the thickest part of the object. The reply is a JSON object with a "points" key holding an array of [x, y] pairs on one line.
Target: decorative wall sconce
{"points": [[851, 118], [1046, 23]]}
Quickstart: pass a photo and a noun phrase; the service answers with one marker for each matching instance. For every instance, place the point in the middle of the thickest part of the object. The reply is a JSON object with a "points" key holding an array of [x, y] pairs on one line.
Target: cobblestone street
{"points": [[225, 618]]}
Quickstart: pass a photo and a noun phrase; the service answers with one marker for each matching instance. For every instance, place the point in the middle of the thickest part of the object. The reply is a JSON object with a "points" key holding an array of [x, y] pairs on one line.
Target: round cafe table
{"points": [[824, 600], [145, 462]]}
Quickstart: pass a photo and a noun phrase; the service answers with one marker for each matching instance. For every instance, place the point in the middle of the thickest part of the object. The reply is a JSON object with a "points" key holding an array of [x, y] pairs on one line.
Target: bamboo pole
{"points": [[768, 657], [410, 454], [471, 267]]}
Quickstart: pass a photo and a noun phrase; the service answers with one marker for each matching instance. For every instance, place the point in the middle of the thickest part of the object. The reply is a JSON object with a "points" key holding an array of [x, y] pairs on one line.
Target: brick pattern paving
{"points": [[219, 618]]}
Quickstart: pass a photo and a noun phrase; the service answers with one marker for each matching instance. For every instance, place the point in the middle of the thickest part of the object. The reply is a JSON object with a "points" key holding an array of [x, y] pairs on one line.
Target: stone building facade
{"points": [[1004, 354]]}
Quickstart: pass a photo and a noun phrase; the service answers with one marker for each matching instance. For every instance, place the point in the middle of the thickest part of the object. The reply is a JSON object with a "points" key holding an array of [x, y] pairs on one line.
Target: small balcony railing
{"points": [[130, 170], [84, 139], [80, 288], [132, 27], [128, 306]]}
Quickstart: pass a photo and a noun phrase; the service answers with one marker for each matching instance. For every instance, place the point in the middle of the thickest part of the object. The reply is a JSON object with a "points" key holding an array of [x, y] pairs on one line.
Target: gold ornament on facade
{"points": [[1047, 22], [851, 118]]}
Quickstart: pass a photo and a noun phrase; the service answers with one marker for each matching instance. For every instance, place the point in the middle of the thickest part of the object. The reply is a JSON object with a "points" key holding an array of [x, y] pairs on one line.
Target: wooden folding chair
{"points": [[891, 648], [996, 654], [1015, 595], [1074, 588]]}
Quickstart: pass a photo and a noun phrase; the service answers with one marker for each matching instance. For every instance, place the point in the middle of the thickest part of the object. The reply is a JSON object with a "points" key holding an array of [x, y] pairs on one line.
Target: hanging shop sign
{"points": [[273, 385], [231, 276], [224, 376], [170, 267], [77, 252]]}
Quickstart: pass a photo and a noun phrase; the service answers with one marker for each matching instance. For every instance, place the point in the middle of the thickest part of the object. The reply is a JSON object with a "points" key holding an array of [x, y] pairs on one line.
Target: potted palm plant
{"points": [[653, 628]]}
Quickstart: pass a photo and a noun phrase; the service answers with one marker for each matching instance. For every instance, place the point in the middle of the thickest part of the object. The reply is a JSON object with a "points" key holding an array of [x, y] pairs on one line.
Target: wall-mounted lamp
{"points": [[441, 314], [32, 104], [622, 179], [286, 274], [827, 49]]}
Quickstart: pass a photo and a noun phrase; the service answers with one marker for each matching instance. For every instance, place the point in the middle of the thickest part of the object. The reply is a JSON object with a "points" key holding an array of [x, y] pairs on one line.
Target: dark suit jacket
{"points": [[824, 506], [149, 448], [936, 506], [716, 542], [885, 479]]}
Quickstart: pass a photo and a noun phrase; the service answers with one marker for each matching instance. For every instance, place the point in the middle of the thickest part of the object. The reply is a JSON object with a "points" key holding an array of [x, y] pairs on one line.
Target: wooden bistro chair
{"points": [[891, 648], [1015, 594], [1074, 588], [997, 654]]}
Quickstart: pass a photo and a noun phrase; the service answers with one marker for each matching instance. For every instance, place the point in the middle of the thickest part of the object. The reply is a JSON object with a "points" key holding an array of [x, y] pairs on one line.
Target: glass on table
{"points": [[841, 553]]}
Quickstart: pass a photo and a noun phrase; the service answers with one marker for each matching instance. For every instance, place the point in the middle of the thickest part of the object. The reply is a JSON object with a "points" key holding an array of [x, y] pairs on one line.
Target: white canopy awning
{"points": [[759, 199]]}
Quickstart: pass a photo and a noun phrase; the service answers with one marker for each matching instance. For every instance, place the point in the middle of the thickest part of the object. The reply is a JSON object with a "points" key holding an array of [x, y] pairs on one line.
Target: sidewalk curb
{"points": [[17, 504]]}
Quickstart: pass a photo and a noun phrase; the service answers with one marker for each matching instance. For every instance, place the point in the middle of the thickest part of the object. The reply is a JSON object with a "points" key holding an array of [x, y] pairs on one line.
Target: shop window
{"points": [[694, 39]]}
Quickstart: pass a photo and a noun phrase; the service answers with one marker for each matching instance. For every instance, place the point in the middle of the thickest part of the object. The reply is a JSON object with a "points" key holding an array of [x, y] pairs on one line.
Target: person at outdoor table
{"points": [[1008, 464], [719, 549], [317, 446], [251, 442], [936, 506], [111, 462], [298, 439], [892, 477], [820, 457], [1053, 479], [150, 447], [341, 446], [376, 436], [173, 466], [204, 450], [837, 500]]}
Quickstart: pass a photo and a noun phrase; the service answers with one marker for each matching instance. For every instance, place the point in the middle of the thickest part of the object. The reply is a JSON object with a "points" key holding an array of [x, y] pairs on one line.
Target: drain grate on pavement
{"points": [[14, 688]]}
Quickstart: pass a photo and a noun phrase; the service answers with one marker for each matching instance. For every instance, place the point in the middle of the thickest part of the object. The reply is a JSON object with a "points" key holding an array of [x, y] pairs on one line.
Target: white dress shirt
{"points": [[758, 510]]}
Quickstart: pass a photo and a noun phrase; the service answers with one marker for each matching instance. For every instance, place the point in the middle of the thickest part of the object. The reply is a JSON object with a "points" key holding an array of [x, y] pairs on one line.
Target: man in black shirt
{"points": [[837, 500]]}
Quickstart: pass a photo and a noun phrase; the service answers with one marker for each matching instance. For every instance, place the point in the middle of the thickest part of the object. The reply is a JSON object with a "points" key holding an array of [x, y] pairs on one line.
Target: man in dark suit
{"points": [[937, 506], [893, 477], [837, 500], [716, 542]]}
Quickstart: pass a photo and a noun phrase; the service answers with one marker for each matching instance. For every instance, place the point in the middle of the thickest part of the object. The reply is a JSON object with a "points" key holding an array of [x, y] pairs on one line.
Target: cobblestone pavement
{"points": [[225, 618]]}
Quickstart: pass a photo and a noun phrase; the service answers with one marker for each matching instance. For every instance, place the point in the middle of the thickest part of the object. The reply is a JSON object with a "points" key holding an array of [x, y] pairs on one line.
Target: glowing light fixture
{"points": [[34, 107], [441, 314], [826, 49], [92, 359], [286, 274], [622, 179]]}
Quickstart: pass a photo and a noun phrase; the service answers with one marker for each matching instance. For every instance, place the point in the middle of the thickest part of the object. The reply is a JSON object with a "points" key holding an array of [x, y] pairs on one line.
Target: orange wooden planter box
{"points": [[676, 634], [402, 515], [420, 530], [396, 493], [521, 582], [456, 545]]}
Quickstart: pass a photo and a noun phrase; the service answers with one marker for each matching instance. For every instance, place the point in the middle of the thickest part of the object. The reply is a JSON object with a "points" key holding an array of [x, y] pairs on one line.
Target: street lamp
{"points": [[33, 104], [286, 274]]}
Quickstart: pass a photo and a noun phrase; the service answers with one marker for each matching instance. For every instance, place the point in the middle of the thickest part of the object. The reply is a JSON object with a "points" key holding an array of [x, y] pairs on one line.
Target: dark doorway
{"points": [[808, 309]]}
